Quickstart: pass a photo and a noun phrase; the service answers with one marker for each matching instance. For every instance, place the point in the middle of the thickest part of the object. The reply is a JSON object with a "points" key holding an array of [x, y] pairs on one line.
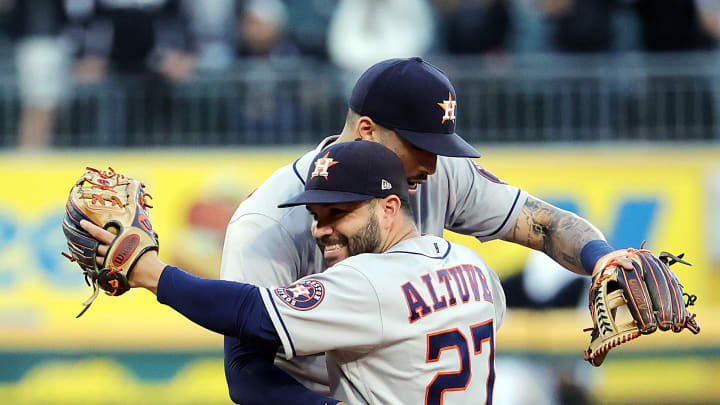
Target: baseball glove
{"points": [[651, 293], [119, 204]]}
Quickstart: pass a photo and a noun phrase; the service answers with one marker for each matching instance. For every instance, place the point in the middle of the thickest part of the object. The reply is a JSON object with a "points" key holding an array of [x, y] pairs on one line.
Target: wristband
{"points": [[592, 252]]}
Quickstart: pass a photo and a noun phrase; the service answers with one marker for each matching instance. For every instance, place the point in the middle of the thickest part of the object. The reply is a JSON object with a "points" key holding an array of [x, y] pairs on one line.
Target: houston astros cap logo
{"points": [[322, 165], [449, 106]]}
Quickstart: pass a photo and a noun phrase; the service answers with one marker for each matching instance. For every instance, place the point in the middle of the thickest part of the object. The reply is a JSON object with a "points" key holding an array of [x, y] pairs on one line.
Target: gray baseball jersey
{"points": [[413, 325], [270, 246]]}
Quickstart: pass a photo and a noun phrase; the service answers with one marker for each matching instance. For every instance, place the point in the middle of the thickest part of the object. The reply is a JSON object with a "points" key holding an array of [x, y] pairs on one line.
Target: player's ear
{"points": [[391, 206], [366, 128]]}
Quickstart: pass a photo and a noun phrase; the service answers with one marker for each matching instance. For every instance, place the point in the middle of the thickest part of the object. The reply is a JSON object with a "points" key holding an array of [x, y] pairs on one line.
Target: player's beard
{"points": [[365, 240]]}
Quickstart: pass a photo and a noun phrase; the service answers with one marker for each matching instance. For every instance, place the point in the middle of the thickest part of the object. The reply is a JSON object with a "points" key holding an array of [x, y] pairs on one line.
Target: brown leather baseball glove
{"points": [[120, 205], [651, 293]]}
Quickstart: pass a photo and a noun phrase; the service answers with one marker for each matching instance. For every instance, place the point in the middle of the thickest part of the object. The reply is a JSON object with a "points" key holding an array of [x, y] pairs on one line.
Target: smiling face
{"points": [[344, 230], [418, 163]]}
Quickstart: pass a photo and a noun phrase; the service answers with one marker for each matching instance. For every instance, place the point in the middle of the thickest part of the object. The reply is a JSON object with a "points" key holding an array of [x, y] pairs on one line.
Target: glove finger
{"points": [[675, 296], [75, 215], [681, 315], [657, 281], [76, 234], [638, 299], [81, 244]]}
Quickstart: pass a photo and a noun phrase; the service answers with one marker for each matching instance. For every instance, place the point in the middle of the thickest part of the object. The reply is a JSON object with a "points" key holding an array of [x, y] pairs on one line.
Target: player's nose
{"points": [[321, 230]]}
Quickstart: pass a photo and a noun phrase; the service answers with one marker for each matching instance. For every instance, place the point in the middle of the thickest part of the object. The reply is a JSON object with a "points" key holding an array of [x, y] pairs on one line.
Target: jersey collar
{"points": [[426, 245], [302, 165]]}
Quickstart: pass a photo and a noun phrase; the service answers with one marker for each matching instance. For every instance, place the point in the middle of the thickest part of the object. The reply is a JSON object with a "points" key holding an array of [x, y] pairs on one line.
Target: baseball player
{"points": [[409, 106], [405, 318]]}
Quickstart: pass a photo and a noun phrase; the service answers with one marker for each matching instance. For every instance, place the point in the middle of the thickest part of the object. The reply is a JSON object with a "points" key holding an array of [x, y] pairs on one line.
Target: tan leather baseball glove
{"points": [[651, 293], [120, 205]]}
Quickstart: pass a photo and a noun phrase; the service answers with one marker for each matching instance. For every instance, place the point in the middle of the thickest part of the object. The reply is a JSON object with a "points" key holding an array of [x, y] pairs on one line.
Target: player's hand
{"points": [[103, 236], [625, 263], [146, 272]]}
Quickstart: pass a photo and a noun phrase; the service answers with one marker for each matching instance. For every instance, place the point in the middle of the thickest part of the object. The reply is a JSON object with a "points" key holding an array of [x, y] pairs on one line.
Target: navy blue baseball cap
{"points": [[353, 171], [416, 100]]}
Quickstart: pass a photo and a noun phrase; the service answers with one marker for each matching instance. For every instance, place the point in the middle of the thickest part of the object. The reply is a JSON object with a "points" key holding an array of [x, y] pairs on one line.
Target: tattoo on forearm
{"points": [[560, 234]]}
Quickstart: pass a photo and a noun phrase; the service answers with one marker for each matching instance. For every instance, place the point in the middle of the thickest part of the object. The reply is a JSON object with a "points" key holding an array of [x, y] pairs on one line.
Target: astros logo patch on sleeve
{"points": [[303, 295]]}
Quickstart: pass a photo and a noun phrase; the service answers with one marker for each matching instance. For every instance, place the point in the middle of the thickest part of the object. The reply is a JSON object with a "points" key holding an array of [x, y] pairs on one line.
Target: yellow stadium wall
{"points": [[48, 356]]}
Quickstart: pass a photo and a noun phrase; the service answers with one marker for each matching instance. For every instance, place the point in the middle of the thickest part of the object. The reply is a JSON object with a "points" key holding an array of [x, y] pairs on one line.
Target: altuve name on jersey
{"points": [[449, 286]]}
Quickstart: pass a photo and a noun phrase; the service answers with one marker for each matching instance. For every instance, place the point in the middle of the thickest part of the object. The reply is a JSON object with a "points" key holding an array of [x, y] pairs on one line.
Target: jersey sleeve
{"points": [[479, 203], [259, 251], [338, 309]]}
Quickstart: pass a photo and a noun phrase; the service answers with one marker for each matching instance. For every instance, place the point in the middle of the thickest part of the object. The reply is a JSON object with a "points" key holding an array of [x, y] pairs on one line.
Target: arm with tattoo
{"points": [[558, 233]]}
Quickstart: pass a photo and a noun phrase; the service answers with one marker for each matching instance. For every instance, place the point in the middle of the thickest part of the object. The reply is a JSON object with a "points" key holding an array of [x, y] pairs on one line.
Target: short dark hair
{"points": [[351, 117], [404, 208]]}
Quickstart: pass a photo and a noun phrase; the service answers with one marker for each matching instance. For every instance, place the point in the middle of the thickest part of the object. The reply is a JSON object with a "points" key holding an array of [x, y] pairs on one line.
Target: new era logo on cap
{"points": [[385, 185]]}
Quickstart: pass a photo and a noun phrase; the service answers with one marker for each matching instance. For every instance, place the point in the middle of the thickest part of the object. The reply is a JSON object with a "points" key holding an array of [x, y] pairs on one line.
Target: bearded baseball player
{"points": [[405, 318], [411, 107]]}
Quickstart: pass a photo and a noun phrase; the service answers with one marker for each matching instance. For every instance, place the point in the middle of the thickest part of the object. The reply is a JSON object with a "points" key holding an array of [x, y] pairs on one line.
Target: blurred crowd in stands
{"points": [[60, 43]]}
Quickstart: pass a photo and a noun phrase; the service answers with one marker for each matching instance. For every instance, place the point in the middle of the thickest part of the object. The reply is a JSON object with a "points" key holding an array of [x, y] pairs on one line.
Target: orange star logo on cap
{"points": [[322, 165], [449, 106]]}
